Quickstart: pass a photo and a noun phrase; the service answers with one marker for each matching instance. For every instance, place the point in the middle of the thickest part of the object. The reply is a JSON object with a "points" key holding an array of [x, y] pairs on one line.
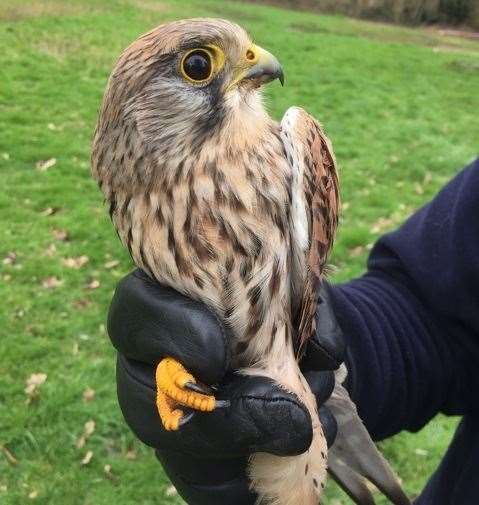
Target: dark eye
{"points": [[196, 65]]}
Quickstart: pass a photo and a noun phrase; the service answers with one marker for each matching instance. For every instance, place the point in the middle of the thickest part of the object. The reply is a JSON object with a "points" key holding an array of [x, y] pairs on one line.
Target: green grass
{"points": [[399, 105]]}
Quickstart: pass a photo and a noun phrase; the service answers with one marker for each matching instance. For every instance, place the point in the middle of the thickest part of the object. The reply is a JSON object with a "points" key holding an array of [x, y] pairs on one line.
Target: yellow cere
{"points": [[252, 55]]}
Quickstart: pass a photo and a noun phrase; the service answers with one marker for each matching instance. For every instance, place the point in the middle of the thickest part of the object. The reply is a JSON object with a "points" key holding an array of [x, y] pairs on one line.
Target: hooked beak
{"points": [[259, 67]]}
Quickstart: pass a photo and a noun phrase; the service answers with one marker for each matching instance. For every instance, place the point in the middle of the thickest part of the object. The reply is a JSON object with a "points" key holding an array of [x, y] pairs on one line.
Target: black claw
{"points": [[222, 404], [186, 418], [198, 388]]}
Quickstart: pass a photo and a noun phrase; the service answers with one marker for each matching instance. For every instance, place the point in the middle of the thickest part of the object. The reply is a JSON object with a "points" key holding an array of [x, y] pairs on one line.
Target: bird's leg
{"points": [[176, 387]]}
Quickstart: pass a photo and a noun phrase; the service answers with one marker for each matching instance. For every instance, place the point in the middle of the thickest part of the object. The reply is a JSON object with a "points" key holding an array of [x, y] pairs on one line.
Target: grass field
{"points": [[399, 105]]}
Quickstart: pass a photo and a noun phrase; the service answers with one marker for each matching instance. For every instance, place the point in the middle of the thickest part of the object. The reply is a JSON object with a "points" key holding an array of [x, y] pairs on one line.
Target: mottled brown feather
{"points": [[200, 187], [312, 149]]}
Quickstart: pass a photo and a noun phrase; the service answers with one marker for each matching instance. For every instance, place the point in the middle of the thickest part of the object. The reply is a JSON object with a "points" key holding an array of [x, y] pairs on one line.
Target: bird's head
{"points": [[186, 83]]}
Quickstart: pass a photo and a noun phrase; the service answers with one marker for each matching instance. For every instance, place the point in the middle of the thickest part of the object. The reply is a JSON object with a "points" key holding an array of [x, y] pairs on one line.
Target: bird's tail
{"points": [[354, 458], [292, 480]]}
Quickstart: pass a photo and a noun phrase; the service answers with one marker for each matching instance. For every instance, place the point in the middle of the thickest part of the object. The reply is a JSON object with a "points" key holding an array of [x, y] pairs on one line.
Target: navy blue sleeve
{"points": [[412, 321]]}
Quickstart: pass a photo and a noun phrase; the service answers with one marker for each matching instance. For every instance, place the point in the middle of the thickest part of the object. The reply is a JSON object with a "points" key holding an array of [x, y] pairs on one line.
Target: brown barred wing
{"points": [[314, 211]]}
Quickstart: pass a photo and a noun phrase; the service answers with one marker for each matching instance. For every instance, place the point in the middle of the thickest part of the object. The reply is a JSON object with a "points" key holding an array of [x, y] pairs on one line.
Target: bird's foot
{"points": [[176, 388]]}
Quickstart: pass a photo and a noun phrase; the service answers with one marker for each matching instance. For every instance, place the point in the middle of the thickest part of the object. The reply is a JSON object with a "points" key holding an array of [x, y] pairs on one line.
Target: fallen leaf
{"points": [[50, 251], [381, 224], [43, 166], [51, 282], [88, 394], [33, 383], [60, 234], [87, 458], [75, 349], [421, 452], [111, 264], [33, 494], [82, 303], [356, 251], [9, 456], [51, 126], [49, 211], [171, 491], [109, 474], [10, 258], [5, 156], [75, 263], [7, 277], [31, 329], [36, 379], [89, 427], [88, 430], [418, 188], [131, 454], [93, 284]]}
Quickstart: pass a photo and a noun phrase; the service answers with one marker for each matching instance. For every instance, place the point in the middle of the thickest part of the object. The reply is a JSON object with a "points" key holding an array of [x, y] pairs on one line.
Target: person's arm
{"points": [[411, 323]]}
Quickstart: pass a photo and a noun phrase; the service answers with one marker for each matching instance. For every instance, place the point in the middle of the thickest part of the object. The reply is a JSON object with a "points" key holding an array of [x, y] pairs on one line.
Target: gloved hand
{"points": [[206, 459]]}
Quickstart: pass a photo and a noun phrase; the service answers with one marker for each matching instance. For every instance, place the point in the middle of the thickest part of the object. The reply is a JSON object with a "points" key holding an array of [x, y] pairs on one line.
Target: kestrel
{"points": [[214, 198]]}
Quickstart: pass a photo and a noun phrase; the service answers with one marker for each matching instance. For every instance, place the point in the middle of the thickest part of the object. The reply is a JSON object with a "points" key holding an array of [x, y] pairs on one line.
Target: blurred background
{"points": [[399, 102]]}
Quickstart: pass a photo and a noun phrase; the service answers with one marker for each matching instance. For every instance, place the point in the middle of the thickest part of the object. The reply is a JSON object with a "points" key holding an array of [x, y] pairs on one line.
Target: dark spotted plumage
{"points": [[320, 186], [214, 198]]}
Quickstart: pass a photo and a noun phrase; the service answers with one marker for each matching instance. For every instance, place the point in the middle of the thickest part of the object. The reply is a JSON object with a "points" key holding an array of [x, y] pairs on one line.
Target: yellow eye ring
{"points": [[198, 65]]}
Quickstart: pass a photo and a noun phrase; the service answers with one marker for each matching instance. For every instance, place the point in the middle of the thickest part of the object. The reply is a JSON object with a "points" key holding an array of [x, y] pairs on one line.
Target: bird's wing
{"points": [[314, 211], [354, 459]]}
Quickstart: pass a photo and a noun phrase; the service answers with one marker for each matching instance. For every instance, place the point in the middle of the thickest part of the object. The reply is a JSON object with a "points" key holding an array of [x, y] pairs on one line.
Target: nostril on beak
{"points": [[250, 55]]}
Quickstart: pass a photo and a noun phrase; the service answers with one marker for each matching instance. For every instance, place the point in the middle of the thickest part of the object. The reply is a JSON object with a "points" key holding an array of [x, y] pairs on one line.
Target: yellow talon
{"points": [[171, 379], [170, 417]]}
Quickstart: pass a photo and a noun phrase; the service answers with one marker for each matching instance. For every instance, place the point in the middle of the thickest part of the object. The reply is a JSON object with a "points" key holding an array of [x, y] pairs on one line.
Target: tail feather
{"points": [[352, 483], [354, 454]]}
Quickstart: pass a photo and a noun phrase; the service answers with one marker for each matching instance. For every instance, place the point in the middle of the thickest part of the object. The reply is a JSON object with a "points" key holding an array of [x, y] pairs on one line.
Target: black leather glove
{"points": [[206, 460]]}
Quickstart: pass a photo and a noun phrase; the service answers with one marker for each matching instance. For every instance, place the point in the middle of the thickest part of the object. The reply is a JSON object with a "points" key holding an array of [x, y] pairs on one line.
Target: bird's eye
{"points": [[197, 65]]}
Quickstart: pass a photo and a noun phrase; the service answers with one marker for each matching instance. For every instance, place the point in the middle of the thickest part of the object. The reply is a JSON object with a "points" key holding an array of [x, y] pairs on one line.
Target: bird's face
{"points": [[184, 82], [225, 60]]}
